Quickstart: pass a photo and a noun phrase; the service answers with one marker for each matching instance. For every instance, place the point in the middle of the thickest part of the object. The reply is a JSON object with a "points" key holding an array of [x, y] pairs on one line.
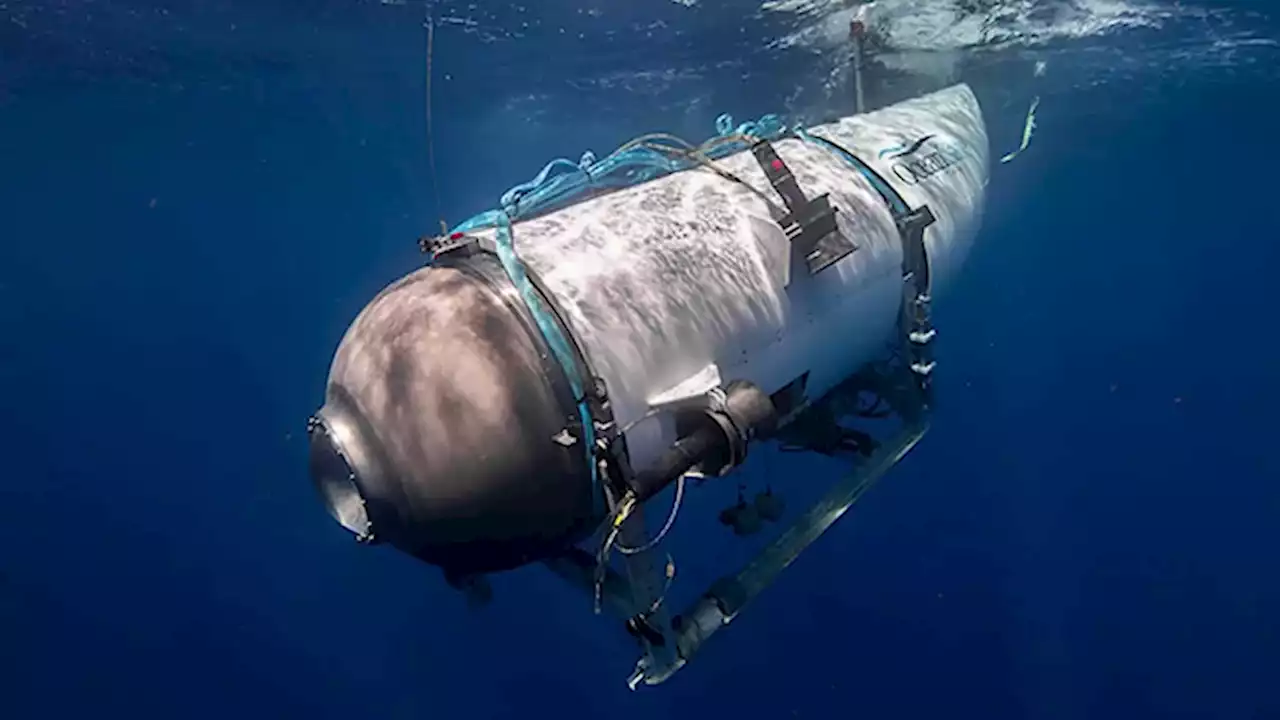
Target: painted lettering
{"points": [[917, 169]]}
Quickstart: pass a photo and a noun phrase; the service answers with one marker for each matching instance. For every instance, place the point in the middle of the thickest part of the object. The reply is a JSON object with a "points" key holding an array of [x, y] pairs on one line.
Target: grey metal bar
{"points": [[726, 597], [648, 585], [857, 75]]}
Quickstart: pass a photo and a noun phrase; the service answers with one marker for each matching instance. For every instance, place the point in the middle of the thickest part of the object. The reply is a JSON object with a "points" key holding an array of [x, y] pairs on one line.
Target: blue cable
{"points": [[562, 181], [559, 183], [547, 325]]}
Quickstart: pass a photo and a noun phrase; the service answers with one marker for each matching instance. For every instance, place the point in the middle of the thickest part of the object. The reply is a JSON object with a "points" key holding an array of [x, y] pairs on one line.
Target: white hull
{"points": [[668, 281]]}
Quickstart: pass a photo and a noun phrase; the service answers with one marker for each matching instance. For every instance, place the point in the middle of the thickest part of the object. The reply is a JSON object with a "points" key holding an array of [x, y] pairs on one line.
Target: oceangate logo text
{"points": [[925, 162]]}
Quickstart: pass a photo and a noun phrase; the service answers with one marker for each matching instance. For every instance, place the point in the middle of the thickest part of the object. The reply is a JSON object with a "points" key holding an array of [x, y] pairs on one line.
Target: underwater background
{"points": [[197, 197]]}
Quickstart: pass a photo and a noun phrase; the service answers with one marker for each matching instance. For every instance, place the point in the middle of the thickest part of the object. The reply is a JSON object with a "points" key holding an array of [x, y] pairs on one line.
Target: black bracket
{"points": [[911, 227], [810, 225], [916, 318], [455, 242]]}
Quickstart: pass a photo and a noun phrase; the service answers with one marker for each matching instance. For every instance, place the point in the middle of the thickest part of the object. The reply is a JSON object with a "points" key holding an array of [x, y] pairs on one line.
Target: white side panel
{"points": [[665, 278], [957, 193]]}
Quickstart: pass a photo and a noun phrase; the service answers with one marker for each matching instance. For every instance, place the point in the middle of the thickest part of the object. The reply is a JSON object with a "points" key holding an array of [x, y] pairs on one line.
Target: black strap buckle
{"points": [[810, 225]]}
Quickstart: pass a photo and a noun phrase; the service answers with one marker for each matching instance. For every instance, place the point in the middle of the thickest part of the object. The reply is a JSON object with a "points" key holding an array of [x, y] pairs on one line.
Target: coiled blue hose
{"points": [[562, 181]]}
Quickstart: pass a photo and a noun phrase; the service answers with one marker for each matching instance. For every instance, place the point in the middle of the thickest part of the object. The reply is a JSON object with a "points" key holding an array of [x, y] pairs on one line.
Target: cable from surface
{"points": [[431, 145]]}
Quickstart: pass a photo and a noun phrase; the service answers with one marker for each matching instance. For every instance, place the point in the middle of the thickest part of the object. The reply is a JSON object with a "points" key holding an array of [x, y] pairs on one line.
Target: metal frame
{"points": [[633, 590], [638, 592]]}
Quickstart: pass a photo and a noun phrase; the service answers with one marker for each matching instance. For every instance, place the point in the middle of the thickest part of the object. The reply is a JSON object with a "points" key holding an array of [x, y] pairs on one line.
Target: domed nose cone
{"points": [[454, 402]]}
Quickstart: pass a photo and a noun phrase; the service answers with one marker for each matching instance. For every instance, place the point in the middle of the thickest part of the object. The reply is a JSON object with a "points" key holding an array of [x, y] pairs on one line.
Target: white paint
{"points": [[662, 280], [694, 387], [936, 25]]}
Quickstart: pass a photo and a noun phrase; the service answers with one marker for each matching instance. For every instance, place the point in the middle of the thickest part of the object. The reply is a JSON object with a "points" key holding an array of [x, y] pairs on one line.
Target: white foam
{"points": [[931, 39], [943, 25]]}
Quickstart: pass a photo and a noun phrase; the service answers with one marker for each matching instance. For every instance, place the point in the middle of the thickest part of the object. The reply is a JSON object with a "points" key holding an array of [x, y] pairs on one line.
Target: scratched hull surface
{"points": [[662, 279]]}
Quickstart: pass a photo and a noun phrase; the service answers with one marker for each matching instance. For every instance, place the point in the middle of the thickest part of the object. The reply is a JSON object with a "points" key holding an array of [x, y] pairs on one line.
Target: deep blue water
{"points": [[196, 199]]}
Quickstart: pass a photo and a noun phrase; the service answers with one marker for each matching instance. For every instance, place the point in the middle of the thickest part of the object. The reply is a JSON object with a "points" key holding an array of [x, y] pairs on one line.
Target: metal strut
{"points": [[915, 318], [726, 597]]}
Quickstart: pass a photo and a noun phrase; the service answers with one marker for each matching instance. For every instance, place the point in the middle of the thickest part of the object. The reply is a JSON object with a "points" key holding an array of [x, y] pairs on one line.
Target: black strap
{"points": [[915, 321], [780, 176], [810, 225]]}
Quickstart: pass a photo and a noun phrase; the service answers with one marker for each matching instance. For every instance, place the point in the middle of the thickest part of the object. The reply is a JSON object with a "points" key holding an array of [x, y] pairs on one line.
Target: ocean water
{"points": [[196, 198]]}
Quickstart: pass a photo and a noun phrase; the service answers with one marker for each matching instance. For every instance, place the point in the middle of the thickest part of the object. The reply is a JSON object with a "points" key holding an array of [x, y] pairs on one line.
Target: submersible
{"points": [[558, 362]]}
